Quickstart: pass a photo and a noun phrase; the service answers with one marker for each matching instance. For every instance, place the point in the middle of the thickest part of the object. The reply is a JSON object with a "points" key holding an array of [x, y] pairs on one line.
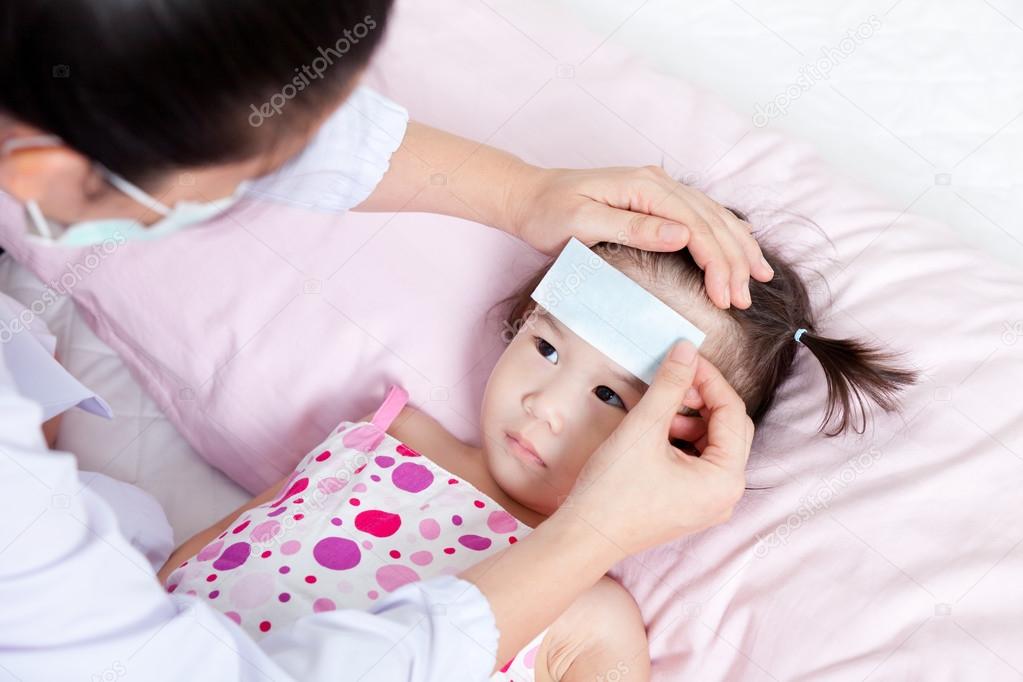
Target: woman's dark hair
{"points": [[146, 86], [755, 348]]}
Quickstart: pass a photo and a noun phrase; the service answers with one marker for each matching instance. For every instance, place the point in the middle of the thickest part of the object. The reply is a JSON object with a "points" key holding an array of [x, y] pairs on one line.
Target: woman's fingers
{"points": [[760, 269], [738, 265], [666, 393], [685, 378], [714, 244], [647, 232], [647, 209], [729, 428], [709, 254], [656, 193]]}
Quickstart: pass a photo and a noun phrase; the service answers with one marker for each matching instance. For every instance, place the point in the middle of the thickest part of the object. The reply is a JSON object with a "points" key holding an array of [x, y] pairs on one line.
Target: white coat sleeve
{"points": [[345, 160], [79, 602]]}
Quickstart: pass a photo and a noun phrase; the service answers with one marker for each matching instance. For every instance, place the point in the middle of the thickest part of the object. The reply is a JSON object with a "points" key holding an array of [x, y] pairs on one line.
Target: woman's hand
{"points": [[637, 490], [640, 207], [643, 207]]}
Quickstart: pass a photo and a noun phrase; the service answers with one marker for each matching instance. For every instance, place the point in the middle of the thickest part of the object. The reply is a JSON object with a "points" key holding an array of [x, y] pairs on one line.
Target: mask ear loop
{"points": [[16, 144], [42, 225], [134, 191]]}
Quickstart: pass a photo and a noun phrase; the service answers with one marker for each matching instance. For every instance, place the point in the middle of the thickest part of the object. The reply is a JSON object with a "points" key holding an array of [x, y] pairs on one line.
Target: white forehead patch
{"points": [[611, 312]]}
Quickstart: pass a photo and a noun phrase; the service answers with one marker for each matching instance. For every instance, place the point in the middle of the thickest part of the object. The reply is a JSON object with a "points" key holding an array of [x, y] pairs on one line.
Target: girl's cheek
{"points": [[605, 421]]}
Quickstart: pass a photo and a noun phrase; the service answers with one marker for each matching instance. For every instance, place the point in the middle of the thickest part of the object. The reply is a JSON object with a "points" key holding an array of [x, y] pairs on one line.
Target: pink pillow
{"points": [[895, 555]]}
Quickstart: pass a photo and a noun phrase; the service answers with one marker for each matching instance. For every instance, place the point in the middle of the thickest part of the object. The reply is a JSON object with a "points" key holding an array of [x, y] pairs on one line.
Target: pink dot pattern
{"points": [[413, 521]]}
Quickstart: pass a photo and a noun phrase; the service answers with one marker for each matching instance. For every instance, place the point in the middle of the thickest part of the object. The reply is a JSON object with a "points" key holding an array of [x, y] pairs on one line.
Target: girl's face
{"points": [[551, 400]]}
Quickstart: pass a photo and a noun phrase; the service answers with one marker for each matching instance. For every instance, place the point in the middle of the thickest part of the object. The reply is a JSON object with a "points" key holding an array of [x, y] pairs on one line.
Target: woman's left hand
{"points": [[640, 207]]}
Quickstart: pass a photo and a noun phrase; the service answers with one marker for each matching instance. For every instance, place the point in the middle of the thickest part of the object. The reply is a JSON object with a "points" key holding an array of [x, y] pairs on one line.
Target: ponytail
{"points": [[754, 348], [856, 372]]}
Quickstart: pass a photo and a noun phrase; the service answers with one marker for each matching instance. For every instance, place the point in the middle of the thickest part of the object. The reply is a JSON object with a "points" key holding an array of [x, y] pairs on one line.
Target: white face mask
{"points": [[181, 215]]}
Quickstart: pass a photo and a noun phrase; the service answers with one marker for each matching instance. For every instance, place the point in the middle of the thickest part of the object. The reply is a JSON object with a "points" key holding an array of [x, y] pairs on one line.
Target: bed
{"points": [[935, 126]]}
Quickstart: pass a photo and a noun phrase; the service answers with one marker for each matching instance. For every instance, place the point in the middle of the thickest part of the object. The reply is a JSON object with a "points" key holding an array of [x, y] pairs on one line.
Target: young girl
{"points": [[394, 498]]}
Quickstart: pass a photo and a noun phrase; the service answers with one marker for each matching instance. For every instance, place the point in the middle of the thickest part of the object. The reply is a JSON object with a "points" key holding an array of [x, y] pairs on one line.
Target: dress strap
{"points": [[390, 408]]}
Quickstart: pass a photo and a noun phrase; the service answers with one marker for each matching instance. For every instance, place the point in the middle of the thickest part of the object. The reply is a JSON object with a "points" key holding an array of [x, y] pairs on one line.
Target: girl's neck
{"points": [[484, 480], [429, 437]]}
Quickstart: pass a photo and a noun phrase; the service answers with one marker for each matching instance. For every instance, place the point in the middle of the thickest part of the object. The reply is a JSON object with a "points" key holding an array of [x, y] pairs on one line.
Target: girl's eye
{"points": [[547, 350], [609, 396]]}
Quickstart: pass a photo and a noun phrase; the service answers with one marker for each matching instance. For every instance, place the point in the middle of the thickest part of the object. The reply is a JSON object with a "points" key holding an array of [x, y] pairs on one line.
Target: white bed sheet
{"points": [[928, 109]]}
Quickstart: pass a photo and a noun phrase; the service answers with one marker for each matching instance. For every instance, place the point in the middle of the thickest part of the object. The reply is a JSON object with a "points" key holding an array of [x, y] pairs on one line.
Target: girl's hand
{"points": [[640, 207], [637, 490]]}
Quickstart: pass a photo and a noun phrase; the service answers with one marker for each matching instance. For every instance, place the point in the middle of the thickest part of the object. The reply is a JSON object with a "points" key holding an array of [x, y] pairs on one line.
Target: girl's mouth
{"points": [[523, 451]]}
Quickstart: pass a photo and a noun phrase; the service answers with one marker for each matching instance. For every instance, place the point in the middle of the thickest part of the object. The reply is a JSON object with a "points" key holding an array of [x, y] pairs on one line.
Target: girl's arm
{"points": [[600, 637], [192, 546]]}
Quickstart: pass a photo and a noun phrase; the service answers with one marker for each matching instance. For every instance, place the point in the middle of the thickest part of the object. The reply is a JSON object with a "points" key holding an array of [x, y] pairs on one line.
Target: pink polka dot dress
{"points": [[362, 515]]}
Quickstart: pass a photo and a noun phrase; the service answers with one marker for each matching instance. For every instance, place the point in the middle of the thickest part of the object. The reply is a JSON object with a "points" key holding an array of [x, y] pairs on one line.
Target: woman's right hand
{"points": [[637, 490]]}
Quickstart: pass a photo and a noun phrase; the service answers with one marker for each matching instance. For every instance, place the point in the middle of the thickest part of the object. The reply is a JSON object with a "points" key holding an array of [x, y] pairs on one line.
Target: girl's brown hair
{"points": [[754, 348]]}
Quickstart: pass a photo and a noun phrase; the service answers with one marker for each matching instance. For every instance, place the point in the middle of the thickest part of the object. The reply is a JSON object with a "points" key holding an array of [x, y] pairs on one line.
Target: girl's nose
{"points": [[545, 405]]}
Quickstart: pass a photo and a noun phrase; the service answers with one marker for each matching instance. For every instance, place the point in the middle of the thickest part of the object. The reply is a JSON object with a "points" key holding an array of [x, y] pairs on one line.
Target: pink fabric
{"points": [[892, 556], [396, 399], [358, 520]]}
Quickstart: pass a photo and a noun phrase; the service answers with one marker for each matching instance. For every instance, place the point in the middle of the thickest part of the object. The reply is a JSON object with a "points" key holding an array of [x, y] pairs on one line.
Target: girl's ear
{"points": [[689, 429]]}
